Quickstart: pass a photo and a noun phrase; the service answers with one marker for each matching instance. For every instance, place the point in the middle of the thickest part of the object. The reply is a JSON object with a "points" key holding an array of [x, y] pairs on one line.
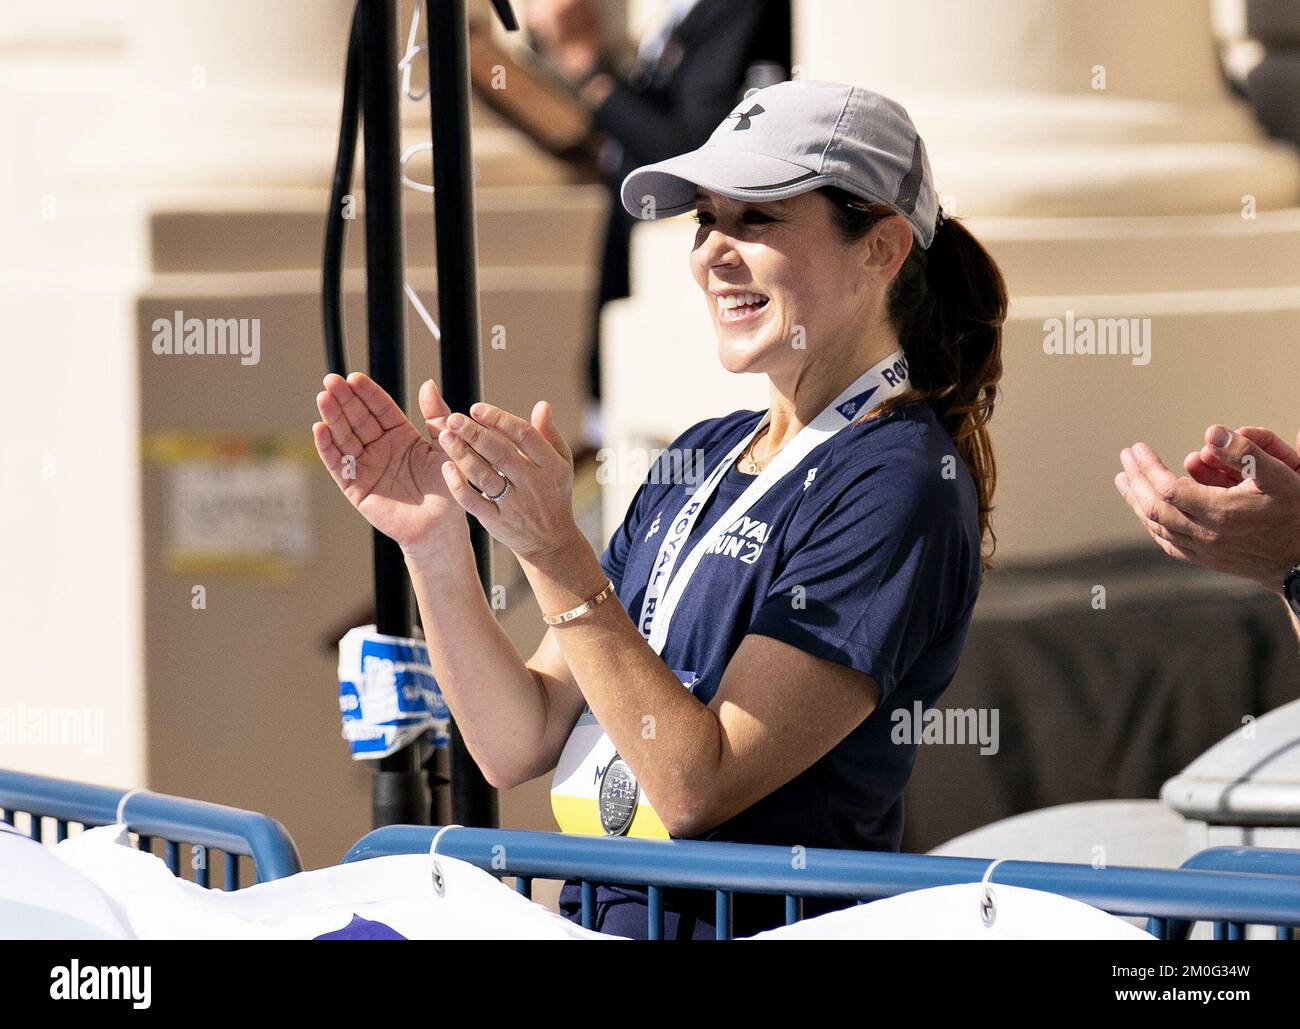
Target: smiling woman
{"points": [[773, 616]]}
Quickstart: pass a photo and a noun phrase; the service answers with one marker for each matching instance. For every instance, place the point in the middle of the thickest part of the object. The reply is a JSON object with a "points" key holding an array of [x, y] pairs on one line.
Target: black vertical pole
{"points": [[398, 795], [473, 800]]}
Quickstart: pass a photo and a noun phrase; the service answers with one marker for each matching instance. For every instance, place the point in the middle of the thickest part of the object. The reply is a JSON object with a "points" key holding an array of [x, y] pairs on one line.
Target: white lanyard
{"points": [[664, 590]]}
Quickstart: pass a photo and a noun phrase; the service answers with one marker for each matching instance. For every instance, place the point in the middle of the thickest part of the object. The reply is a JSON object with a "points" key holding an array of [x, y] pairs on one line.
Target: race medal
{"points": [[618, 797]]}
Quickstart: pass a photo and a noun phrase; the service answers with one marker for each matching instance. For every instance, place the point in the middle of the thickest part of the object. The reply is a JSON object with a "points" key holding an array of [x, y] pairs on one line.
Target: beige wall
{"points": [[133, 189]]}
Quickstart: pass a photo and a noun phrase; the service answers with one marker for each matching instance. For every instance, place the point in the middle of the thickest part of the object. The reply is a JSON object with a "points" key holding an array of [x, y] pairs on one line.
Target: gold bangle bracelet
{"points": [[581, 609]]}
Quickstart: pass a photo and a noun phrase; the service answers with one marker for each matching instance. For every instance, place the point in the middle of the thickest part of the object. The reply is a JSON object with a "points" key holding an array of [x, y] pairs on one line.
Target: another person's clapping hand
{"points": [[569, 32], [1213, 468], [1237, 510]]}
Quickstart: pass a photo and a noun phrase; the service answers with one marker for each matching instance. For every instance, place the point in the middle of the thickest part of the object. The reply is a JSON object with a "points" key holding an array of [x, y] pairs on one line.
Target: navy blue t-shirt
{"points": [[866, 554]]}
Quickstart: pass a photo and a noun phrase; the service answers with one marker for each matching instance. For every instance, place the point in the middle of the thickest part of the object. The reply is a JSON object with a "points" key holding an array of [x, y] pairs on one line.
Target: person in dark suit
{"points": [[686, 76]]}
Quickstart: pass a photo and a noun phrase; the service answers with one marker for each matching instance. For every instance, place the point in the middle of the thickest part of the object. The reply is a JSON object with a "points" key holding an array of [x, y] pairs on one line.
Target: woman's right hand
{"points": [[384, 466]]}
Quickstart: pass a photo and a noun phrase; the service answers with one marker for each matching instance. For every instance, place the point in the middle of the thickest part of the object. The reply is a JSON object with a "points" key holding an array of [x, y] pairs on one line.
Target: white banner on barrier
{"points": [[97, 886], [959, 912], [41, 898], [382, 898]]}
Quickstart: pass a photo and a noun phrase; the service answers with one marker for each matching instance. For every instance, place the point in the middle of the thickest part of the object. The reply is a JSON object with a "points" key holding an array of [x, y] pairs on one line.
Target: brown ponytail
{"points": [[947, 306]]}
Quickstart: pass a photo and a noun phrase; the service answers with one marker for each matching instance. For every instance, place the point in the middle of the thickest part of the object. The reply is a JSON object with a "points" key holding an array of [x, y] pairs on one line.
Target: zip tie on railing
{"points": [[407, 288], [407, 154], [120, 817], [439, 881], [988, 902], [422, 311], [433, 847], [413, 50]]}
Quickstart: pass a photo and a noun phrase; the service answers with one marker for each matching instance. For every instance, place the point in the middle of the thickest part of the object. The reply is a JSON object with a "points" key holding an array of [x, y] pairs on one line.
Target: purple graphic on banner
{"points": [[363, 929]]}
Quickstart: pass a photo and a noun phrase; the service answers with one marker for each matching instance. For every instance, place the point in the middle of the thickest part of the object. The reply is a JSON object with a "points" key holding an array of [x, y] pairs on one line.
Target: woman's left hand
{"points": [[535, 517]]}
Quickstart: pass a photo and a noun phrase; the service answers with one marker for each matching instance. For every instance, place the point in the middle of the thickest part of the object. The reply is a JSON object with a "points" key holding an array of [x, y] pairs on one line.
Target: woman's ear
{"points": [[887, 245]]}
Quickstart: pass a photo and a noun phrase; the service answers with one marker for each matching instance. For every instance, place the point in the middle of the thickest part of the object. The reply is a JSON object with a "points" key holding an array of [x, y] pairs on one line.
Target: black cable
{"points": [[331, 294], [506, 15]]}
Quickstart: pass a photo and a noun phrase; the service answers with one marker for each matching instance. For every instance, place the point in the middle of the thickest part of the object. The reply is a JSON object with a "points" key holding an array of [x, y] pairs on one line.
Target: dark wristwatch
{"points": [[1291, 589]]}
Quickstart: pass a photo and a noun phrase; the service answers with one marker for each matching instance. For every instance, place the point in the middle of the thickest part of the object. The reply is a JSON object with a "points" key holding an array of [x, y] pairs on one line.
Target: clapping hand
{"points": [[1237, 510]]}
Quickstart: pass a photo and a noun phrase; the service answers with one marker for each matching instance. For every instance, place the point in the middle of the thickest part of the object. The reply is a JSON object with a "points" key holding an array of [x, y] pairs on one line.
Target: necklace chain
{"points": [[749, 463]]}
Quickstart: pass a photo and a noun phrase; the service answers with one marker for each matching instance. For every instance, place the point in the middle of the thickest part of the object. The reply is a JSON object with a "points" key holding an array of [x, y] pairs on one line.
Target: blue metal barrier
{"points": [[174, 820], [1232, 887], [1246, 861], [727, 868]]}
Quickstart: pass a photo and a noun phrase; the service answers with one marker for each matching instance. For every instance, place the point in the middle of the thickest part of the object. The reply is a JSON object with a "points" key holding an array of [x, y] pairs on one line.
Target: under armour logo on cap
{"points": [[745, 117]]}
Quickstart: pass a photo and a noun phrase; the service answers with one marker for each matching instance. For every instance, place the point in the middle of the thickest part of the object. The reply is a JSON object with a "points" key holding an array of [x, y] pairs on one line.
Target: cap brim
{"points": [[667, 188]]}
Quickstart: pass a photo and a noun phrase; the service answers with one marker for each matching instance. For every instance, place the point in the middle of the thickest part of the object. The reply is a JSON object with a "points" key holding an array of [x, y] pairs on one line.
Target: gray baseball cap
{"points": [[794, 137]]}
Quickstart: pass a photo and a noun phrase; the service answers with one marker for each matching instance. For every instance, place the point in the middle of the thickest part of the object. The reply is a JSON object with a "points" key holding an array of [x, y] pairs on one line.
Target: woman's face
{"points": [[782, 285]]}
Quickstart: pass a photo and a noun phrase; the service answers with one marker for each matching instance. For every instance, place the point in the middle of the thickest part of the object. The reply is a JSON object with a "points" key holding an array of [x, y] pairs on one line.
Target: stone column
{"points": [[1047, 107]]}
